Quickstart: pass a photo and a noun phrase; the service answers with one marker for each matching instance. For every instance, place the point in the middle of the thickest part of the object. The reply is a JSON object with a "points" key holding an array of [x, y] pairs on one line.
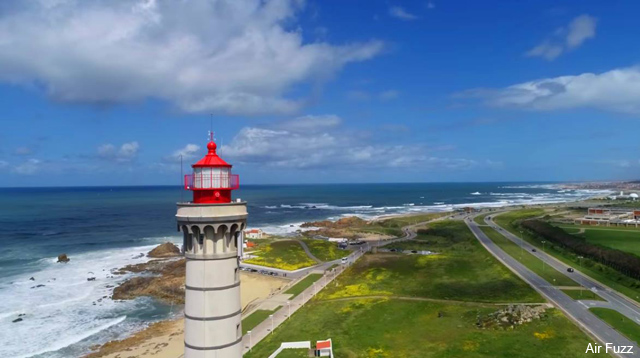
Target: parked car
{"points": [[570, 269], [344, 260], [414, 251], [533, 250]]}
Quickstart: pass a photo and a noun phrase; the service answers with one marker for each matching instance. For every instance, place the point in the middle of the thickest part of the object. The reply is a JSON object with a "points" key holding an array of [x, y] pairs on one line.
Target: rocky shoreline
{"points": [[162, 278]]}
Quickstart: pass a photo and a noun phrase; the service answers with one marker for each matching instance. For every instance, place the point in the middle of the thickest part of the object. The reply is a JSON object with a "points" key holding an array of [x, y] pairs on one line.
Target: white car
{"points": [[344, 260]]}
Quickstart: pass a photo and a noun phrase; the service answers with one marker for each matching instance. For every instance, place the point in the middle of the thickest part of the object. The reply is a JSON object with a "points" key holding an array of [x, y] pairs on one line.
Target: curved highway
{"points": [[577, 311]]}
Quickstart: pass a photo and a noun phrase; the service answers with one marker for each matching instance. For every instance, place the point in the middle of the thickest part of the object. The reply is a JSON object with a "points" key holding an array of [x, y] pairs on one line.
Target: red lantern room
{"points": [[211, 181]]}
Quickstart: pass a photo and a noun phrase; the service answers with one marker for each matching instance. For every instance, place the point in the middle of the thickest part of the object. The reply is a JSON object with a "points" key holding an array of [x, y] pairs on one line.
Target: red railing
{"points": [[211, 181]]}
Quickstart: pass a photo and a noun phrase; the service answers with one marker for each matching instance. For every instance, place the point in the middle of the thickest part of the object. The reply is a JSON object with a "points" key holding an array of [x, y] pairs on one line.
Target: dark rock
{"points": [[91, 279], [32, 279], [165, 250], [62, 258], [17, 320]]}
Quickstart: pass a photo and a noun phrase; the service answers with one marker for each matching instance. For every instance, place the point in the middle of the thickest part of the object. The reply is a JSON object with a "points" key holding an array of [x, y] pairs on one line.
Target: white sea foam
{"points": [[68, 308], [503, 199]]}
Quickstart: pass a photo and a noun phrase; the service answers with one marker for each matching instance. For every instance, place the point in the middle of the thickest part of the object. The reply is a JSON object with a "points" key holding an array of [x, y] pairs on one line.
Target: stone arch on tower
{"points": [[209, 239], [223, 231]]}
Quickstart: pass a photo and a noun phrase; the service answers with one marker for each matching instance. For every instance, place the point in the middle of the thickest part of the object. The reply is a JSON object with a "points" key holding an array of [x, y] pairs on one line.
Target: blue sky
{"points": [[112, 93]]}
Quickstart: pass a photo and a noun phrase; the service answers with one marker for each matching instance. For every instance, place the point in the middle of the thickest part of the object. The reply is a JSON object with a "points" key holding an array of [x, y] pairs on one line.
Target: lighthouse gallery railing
{"points": [[211, 181]]}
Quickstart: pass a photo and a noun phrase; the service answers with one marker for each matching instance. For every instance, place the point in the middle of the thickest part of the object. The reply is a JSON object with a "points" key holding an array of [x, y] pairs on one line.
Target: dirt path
{"points": [[306, 249]]}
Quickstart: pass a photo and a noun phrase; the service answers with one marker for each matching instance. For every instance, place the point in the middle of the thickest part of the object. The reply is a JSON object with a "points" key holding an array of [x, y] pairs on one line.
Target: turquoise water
{"points": [[102, 229]]}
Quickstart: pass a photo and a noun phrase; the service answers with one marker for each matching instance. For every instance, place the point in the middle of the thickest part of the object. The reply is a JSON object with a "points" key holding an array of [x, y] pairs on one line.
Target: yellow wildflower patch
{"points": [[543, 335], [361, 289], [470, 345], [376, 353]]}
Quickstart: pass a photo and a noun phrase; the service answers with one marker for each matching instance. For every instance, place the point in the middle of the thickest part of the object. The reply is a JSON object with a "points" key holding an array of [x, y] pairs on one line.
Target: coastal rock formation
{"points": [[63, 258], [348, 222], [350, 228], [166, 284], [165, 250]]}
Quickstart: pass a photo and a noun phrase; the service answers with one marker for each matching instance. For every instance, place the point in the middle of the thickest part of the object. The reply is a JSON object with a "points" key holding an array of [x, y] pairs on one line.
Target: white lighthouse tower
{"points": [[212, 225]]}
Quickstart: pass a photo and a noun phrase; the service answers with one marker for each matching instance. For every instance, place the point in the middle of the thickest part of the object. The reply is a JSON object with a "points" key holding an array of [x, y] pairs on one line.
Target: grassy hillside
{"points": [[282, 254]]}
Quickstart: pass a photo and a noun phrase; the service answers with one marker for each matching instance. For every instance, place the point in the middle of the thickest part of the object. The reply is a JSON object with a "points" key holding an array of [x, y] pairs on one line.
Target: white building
{"points": [[253, 234]]}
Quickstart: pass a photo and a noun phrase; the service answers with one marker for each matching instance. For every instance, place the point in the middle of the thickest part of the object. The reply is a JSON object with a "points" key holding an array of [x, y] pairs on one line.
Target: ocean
{"points": [[105, 228]]}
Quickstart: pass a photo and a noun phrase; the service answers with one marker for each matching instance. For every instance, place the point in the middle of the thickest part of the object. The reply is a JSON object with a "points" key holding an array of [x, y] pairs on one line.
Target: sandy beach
{"points": [[165, 339]]}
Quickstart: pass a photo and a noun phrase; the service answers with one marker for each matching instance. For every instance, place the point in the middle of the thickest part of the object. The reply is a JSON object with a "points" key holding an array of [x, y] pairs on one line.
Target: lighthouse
{"points": [[212, 225]]}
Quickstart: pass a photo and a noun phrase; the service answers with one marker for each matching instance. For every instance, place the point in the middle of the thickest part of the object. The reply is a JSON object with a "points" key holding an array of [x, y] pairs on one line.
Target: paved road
{"points": [[575, 310], [618, 302]]}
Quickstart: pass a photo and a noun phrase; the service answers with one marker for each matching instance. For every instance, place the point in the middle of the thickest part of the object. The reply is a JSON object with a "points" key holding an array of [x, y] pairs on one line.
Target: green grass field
{"points": [[624, 240], [415, 327], [597, 271], [463, 270], [325, 250], [388, 328], [595, 227], [294, 353], [618, 321], [584, 294], [393, 226], [526, 258], [282, 254], [410, 245], [480, 219], [254, 319], [297, 289]]}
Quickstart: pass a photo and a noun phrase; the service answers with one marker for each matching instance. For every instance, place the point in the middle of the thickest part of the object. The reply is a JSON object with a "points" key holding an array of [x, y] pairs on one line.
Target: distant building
{"points": [[623, 196], [610, 217], [253, 234]]}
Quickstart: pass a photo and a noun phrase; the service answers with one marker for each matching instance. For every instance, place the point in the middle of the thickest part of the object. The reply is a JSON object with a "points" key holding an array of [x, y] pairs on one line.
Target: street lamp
{"points": [[249, 333], [289, 307], [271, 316]]}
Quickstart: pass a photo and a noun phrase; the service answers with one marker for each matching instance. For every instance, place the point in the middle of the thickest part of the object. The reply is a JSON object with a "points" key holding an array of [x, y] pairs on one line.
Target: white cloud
{"points": [[358, 95], [4, 164], [581, 29], [546, 50], [616, 90], [23, 151], [320, 142], [402, 14], [188, 152], [29, 167], [225, 56], [389, 95], [567, 38], [431, 5], [126, 153]]}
